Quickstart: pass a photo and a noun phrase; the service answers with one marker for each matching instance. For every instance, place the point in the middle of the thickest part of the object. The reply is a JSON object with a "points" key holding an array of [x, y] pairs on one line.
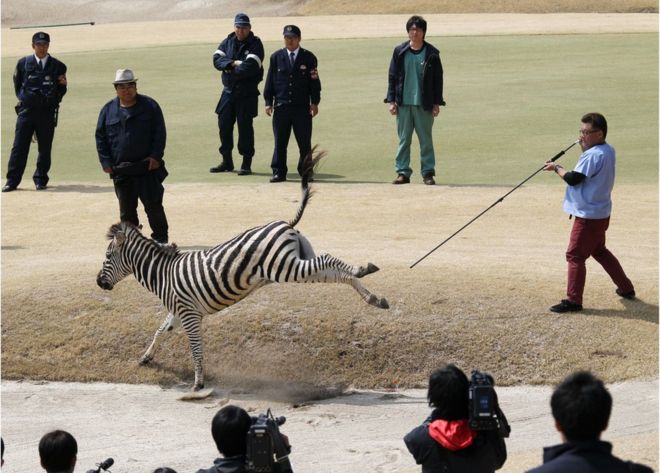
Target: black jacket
{"points": [[297, 85], [37, 89], [591, 456], [240, 81], [486, 453], [431, 80], [234, 464], [122, 139]]}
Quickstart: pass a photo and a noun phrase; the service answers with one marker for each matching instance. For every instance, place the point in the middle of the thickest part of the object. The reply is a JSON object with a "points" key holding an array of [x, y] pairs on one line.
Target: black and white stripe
{"points": [[195, 283]]}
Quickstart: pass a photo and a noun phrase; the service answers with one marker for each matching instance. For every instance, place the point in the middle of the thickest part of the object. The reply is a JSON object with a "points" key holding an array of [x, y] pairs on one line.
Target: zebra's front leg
{"points": [[167, 325]]}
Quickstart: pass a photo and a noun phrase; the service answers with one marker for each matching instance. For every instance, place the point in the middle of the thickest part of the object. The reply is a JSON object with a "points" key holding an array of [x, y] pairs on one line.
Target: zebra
{"points": [[193, 284]]}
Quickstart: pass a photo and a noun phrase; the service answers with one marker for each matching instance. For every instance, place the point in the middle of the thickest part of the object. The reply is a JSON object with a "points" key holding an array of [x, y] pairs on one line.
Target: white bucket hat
{"points": [[124, 76]]}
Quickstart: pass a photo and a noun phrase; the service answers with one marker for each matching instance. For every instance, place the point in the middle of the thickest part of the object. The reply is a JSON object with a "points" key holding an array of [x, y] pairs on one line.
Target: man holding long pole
{"points": [[588, 199]]}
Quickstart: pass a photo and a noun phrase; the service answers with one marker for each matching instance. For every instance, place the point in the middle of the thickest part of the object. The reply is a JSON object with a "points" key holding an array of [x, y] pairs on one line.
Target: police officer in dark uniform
{"points": [[292, 94], [130, 141], [39, 83], [240, 57]]}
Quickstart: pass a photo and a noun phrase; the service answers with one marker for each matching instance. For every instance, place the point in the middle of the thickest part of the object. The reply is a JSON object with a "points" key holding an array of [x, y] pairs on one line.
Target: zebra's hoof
{"points": [[383, 304], [198, 387], [145, 360]]}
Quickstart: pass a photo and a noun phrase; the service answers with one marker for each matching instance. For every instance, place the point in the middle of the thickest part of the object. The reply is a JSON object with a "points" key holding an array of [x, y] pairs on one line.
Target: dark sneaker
{"points": [[244, 172], [278, 178], [8, 188], [222, 167], [626, 295], [566, 306], [401, 179], [429, 181], [41, 187]]}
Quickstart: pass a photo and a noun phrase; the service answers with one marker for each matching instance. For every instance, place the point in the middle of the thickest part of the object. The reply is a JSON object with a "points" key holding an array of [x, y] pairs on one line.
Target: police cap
{"points": [[40, 37], [291, 30], [242, 20]]}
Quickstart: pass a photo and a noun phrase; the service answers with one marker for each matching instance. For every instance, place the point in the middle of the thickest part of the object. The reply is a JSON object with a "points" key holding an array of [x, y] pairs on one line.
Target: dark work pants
{"points": [[150, 192], [28, 122], [286, 117], [241, 111], [588, 239]]}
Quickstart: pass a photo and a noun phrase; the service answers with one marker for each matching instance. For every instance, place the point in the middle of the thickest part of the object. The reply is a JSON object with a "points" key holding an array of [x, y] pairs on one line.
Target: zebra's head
{"points": [[114, 267]]}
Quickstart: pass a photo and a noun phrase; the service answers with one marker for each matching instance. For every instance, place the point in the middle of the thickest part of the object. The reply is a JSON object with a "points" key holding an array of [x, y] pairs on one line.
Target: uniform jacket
{"points": [[240, 81], [591, 456], [431, 80], [442, 446], [132, 139], [297, 85], [37, 89]]}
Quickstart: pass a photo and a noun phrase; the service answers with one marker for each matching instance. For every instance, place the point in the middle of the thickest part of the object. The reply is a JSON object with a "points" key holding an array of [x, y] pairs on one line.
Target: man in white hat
{"points": [[130, 141]]}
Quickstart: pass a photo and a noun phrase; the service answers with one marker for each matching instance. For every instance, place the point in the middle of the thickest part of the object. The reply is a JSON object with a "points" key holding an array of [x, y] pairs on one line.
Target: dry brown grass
{"points": [[480, 301]]}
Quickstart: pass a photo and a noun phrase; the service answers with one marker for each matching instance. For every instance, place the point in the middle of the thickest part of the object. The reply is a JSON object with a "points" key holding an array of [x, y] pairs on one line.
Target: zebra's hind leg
{"points": [[167, 325], [328, 269], [192, 323]]}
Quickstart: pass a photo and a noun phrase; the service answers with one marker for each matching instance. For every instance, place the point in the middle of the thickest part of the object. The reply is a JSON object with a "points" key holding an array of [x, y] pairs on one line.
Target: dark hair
{"points": [[448, 393], [229, 428], [57, 450], [2, 455], [164, 469], [581, 405], [597, 122], [417, 21]]}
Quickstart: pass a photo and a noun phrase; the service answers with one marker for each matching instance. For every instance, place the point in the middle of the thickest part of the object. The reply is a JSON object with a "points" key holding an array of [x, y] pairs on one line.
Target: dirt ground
{"points": [[144, 427]]}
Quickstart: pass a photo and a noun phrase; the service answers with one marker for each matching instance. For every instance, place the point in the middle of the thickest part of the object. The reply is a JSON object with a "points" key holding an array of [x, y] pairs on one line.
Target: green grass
{"points": [[513, 101]]}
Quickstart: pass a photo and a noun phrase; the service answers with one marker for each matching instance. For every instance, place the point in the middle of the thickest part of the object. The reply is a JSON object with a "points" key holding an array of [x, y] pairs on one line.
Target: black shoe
{"points": [[429, 181], [244, 172], [566, 306], [222, 167], [8, 188], [626, 295], [41, 187], [401, 179], [278, 178]]}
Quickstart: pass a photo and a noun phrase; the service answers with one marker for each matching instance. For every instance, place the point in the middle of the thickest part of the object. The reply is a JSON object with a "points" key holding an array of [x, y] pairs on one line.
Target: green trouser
{"points": [[411, 117]]}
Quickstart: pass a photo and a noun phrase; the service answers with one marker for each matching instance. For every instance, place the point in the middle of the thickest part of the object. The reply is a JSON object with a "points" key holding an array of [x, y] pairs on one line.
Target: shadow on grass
{"points": [[634, 309], [82, 188]]}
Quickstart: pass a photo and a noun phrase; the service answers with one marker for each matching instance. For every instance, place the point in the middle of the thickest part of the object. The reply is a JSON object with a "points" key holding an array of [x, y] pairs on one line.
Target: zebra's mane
{"points": [[128, 228], [310, 165]]}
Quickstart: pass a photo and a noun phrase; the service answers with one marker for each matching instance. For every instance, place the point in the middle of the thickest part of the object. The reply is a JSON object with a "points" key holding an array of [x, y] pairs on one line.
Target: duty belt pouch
{"points": [[17, 108], [138, 168]]}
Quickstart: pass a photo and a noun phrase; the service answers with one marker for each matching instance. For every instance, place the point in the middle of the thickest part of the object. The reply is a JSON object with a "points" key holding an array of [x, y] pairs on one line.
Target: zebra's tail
{"points": [[309, 167]]}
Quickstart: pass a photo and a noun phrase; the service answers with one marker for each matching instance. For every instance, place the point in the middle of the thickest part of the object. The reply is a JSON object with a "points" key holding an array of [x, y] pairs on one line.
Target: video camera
{"points": [[267, 452], [102, 466], [485, 412]]}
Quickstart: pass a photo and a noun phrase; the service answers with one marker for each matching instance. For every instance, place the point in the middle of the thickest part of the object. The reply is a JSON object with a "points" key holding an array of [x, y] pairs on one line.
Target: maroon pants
{"points": [[588, 239]]}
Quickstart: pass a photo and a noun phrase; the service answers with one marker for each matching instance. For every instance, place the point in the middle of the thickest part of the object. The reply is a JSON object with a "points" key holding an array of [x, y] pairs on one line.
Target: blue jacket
{"points": [[39, 89], [297, 85], [240, 81], [130, 138], [431, 80], [590, 456]]}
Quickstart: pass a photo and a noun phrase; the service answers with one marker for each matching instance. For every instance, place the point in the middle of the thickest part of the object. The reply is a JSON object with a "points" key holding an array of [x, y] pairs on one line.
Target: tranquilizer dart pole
{"points": [[555, 158]]}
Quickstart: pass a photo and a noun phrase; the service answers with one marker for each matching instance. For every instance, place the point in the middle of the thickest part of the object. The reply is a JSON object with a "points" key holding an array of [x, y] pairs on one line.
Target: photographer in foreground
{"points": [[581, 407], [462, 433], [58, 451], [248, 444]]}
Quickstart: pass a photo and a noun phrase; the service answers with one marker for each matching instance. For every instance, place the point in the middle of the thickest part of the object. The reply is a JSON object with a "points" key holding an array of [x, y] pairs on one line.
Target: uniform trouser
{"points": [[240, 111], [150, 192], [409, 118], [28, 122], [588, 239], [286, 117]]}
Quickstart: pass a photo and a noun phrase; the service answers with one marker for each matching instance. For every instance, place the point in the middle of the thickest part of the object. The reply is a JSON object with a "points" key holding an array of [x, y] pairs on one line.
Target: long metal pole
{"points": [[50, 26], [553, 159]]}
